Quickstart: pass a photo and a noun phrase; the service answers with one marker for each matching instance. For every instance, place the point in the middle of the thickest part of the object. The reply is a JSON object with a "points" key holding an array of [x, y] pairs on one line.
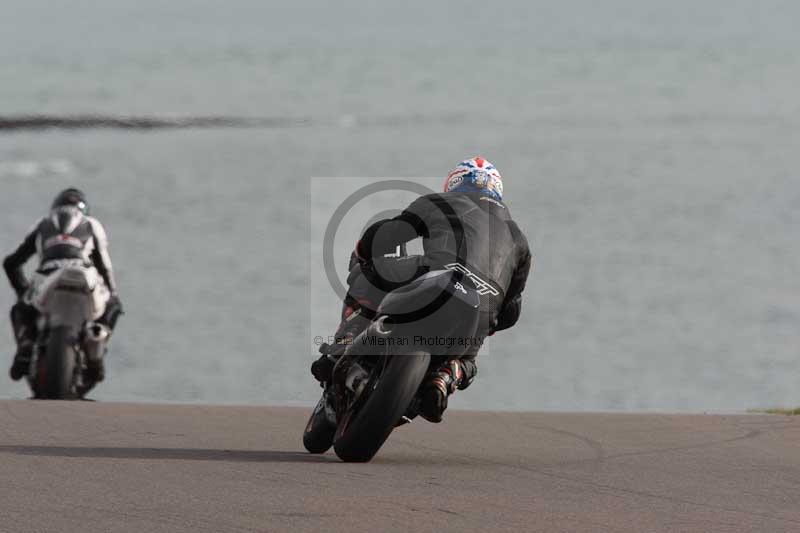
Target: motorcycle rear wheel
{"points": [[361, 433], [60, 365]]}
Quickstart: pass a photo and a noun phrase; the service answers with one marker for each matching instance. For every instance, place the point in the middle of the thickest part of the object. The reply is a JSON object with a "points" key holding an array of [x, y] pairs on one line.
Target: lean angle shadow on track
{"points": [[178, 454]]}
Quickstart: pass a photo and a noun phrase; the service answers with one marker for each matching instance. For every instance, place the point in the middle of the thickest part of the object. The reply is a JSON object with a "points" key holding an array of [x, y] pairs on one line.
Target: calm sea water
{"points": [[650, 151]]}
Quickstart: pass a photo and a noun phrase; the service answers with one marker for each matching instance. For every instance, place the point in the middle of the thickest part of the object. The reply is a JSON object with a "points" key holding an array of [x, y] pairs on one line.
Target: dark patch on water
{"points": [[42, 122]]}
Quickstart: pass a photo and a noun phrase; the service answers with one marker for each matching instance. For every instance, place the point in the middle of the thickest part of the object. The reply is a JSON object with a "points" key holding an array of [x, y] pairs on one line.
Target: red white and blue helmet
{"points": [[475, 175]]}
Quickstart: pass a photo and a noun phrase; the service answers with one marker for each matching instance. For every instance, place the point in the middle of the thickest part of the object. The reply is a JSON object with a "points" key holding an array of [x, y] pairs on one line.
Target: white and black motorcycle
{"points": [[70, 345]]}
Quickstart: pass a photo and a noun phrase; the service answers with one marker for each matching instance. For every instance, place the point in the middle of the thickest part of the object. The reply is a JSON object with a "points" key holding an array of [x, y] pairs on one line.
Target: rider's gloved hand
{"points": [[21, 292], [115, 303], [509, 314], [361, 253], [355, 260], [113, 312]]}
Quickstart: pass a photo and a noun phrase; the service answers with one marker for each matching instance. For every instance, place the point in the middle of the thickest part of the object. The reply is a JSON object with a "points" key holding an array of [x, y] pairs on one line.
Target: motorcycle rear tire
{"points": [[361, 434], [60, 365]]}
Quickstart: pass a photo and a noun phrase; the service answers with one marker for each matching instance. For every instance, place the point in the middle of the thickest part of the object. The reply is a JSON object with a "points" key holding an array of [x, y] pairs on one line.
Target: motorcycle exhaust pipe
{"points": [[95, 339]]}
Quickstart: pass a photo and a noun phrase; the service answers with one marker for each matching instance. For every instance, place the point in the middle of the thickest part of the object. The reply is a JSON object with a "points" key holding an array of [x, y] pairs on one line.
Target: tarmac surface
{"points": [[84, 466]]}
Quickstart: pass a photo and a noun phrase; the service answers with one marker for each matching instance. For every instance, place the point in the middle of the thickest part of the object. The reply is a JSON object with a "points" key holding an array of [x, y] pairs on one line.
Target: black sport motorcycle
{"points": [[376, 382]]}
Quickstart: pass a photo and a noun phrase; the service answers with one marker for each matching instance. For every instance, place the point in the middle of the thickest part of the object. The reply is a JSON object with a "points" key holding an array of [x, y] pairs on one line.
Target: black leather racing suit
{"points": [[462, 231]]}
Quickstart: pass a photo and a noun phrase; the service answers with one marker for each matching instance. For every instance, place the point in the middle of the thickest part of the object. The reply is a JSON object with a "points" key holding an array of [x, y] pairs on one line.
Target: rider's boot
{"points": [[23, 321], [454, 374], [353, 322], [22, 360]]}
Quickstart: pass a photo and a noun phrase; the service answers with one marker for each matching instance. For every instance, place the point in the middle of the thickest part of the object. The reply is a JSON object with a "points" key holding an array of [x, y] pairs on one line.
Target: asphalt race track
{"points": [[84, 466]]}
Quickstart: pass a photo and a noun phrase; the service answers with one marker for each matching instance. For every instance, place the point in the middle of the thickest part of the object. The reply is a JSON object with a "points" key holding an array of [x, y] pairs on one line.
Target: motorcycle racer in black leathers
{"points": [[58, 240], [466, 228]]}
